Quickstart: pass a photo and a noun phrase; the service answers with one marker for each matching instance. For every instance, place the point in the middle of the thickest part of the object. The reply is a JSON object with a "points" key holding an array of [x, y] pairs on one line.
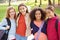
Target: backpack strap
{"points": [[9, 23], [39, 31], [56, 26]]}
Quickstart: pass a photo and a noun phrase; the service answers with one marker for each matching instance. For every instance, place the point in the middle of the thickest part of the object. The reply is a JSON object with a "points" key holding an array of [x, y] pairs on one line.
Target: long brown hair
{"points": [[8, 11]]}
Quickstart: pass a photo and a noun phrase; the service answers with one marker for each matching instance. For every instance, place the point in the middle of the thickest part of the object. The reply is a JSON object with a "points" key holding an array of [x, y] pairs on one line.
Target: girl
{"points": [[37, 16], [52, 26], [11, 15], [23, 28]]}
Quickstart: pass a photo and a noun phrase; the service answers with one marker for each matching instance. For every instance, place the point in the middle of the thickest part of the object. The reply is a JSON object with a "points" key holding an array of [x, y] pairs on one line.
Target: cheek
{"points": [[10, 14], [38, 16], [13, 13], [47, 15], [25, 9], [19, 10]]}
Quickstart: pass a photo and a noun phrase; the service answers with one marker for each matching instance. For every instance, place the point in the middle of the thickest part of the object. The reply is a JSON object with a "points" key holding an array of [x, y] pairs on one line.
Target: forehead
{"points": [[11, 10], [22, 7], [37, 11], [48, 10]]}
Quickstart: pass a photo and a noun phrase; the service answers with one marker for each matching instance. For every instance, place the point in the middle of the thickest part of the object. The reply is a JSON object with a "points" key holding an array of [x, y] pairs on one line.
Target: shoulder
{"points": [[31, 22], [4, 20], [27, 14]]}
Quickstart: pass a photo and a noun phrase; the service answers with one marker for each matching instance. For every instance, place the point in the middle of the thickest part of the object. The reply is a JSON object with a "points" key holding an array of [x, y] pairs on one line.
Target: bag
{"points": [[3, 34], [31, 37], [56, 27]]}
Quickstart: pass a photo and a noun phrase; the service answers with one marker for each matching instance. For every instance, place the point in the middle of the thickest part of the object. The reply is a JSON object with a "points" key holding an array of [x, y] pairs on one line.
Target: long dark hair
{"points": [[32, 14]]}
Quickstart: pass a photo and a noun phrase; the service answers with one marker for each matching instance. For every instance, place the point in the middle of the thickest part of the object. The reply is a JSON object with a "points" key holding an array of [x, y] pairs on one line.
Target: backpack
{"points": [[3, 34], [56, 26]]}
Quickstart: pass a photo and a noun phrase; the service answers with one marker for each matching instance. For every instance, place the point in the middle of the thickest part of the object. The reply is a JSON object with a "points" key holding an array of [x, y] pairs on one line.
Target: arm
{"points": [[4, 22]]}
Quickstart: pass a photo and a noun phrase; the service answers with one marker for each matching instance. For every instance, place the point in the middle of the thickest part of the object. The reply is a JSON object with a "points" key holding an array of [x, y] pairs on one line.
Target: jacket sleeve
{"points": [[44, 28], [3, 24]]}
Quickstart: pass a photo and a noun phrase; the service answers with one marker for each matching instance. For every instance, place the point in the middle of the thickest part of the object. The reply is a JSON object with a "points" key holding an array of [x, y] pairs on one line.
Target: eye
{"points": [[20, 9], [23, 8]]}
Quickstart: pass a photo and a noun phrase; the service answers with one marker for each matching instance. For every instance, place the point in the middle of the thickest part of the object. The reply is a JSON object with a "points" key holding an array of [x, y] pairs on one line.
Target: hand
{"points": [[7, 27], [30, 37]]}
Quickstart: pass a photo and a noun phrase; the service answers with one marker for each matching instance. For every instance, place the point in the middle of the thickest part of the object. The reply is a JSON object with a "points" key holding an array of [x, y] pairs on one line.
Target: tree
{"points": [[2, 1], [49, 2], [53, 2], [35, 2], [9, 2], [40, 3], [58, 2]]}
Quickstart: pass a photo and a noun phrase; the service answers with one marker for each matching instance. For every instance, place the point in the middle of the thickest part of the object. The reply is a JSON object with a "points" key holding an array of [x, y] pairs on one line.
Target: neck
{"points": [[38, 20], [11, 17], [52, 16], [23, 15]]}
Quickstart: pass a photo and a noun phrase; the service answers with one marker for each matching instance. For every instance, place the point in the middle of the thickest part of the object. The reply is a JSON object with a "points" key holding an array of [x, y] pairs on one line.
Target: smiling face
{"points": [[22, 9], [50, 14], [38, 15], [12, 13]]}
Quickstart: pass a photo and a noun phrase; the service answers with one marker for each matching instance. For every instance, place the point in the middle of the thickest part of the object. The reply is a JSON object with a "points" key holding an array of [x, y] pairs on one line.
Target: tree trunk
{"points": [[58, 2], [40, 3], [49, 2], [9, 2], [35, 2], [53, 2]]}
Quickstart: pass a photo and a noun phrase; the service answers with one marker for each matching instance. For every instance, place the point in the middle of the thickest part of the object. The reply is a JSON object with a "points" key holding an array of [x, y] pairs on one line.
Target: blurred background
{"points": [[30, 4]]}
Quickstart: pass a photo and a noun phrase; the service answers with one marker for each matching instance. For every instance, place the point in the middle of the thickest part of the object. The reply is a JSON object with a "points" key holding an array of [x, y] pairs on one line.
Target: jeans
{"points": [[18, 37]]}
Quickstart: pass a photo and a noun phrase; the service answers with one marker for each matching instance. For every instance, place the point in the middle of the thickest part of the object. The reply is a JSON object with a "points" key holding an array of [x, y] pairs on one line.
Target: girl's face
{"points": [[12, 13], [50, 14], [38, 15], [22, 9]]}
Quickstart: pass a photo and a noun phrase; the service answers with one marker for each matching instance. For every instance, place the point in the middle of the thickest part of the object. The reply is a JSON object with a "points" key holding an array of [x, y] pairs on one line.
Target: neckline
{"points": [[52, 18], [38, 26]]}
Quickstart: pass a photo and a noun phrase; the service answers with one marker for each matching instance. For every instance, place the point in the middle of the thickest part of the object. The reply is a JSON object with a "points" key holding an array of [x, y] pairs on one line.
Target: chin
{"points": [[49, 17]]}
